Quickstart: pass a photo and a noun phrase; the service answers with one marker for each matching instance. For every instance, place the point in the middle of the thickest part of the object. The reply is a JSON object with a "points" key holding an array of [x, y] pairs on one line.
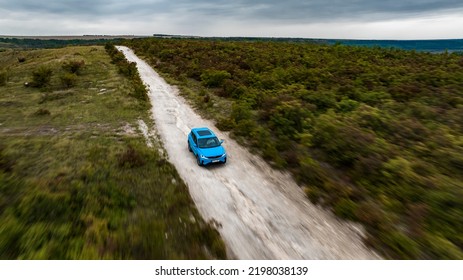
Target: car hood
{"points": [[212, 152]]}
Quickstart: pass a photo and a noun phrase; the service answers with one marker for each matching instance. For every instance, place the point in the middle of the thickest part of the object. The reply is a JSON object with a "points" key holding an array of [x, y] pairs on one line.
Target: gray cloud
{"points": [[297, 10], [352, 8], [101, 8], [324, 10], [205, 16]]}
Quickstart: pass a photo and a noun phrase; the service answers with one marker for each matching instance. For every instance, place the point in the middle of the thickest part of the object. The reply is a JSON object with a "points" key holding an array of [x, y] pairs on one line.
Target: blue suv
{"points": [[206, 147]]}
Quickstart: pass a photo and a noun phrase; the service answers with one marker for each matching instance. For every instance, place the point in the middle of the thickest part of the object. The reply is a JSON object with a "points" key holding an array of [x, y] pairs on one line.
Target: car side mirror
{"points": [[221, 141]]}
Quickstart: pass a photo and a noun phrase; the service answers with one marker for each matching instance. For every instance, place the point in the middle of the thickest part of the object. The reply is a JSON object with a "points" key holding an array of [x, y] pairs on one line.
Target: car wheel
{"points": [[224, 160], [198, 160], [189, 147]]}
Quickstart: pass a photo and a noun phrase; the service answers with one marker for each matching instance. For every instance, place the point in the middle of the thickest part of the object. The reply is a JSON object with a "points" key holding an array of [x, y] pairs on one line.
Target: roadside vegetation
{"points": [[77, 179], [374, 134]]}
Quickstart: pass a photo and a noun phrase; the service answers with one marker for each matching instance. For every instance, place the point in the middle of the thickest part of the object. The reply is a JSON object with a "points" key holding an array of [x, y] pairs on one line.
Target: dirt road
{"points": [[261, 213]]}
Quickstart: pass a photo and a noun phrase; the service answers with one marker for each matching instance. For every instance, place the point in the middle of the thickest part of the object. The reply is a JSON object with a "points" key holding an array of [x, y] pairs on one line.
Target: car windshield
{"points": [[208, 142]]}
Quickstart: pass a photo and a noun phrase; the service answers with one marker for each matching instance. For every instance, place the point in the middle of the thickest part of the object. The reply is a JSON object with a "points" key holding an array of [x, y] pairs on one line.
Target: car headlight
{"points": [[202, 156], [225, 154]]}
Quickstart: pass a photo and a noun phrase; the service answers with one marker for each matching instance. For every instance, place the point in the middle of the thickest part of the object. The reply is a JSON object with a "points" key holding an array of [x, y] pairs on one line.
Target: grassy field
{"points": [[77, 180], [374, 134]]}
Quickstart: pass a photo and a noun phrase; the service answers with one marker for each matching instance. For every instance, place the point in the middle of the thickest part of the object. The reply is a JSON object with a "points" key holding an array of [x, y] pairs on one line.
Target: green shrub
{"points": [[438, 247], [44, 207], [311, 173], [347, 105], [225, 124], [400, 246], [3, 78], [323, 100], [6, 162], [344, 143], [42, 112], [41, 77], [74, 67], [131, 158], [210, 235], [373, 98], [206, 98], [214, 78], [10, 236], [245, 128], [140, 91], [287, 119], [313, 194], [370, 214], [346, 208], [68, 80], [241, 111], [232, 89]]}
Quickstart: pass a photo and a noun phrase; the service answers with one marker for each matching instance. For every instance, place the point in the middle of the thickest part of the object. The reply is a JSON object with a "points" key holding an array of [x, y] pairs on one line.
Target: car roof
{"points": [[203, 132]]}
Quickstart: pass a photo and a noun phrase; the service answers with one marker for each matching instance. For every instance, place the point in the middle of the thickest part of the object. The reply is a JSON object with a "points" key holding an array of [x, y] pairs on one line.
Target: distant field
{"points": [[76, 37], [77, 179]]}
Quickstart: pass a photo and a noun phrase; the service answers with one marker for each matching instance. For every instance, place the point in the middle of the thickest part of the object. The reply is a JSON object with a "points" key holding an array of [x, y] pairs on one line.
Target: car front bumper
{"points": [[210, 160]]}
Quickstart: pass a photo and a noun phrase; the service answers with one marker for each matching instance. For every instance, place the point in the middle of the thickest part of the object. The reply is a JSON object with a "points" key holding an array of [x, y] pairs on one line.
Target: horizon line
{"points": [[161, 35]]}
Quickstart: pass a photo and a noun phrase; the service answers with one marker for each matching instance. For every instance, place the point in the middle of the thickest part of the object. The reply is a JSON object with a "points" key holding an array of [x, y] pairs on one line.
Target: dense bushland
{"points": [[374, 134]]}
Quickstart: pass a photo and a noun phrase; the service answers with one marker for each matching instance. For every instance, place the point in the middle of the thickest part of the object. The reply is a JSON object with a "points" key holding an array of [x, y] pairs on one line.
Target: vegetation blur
{"points": [[77, 180], [375, 134]]}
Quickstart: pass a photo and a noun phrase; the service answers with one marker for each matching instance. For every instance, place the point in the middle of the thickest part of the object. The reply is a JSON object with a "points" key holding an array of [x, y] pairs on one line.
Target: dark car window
{"points": [[204, 132], [193, 136], [208, 142]]}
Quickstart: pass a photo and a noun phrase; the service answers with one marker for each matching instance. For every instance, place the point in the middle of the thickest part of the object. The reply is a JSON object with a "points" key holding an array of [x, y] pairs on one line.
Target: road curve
{"points": [[261, 213]]}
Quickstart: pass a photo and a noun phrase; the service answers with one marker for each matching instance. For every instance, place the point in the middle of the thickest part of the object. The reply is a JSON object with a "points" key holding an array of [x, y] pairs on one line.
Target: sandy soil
{"points": [[260, 213]]}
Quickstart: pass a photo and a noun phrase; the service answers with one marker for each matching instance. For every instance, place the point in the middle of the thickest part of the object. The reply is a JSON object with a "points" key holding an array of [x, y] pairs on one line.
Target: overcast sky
{"points": [[355, 19]]}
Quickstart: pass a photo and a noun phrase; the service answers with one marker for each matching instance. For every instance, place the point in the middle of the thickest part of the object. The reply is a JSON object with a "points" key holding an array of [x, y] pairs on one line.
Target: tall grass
{"points": [[75, 182]]}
